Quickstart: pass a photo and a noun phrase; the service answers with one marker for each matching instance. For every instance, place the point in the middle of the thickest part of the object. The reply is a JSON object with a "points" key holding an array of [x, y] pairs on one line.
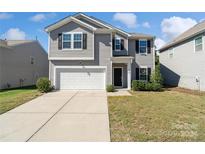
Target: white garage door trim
{"points": [[80, 67]]}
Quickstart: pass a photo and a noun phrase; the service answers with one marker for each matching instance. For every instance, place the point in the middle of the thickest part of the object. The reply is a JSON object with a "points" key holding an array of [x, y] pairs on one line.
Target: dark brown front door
{"points": [[118, 77]]}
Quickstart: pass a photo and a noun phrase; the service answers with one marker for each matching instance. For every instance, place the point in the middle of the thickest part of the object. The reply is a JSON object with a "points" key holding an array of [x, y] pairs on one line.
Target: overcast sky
{"points": [[165, 26]]}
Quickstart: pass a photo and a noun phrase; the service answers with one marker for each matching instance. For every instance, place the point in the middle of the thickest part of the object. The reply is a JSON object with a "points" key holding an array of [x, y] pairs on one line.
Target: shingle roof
{"points": [[195, 30], [140, 35], [17, 42], [11, 43], [131, 35]]}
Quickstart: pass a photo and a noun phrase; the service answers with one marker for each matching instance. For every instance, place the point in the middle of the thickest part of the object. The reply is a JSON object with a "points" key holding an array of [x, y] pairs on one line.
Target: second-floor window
{"points": [[143, 46], [198, 44], [77, 41], [66, 41], [117, 44], [72, 41]]}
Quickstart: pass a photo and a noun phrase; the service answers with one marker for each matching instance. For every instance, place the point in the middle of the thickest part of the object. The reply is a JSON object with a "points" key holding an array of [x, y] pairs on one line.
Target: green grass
{"points": [[12, 98], [157, 116]]}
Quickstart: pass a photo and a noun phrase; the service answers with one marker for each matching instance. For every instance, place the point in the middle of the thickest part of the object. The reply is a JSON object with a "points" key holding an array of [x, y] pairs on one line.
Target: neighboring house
{"points": [[22, 62], [183, 59], [87, 53]]}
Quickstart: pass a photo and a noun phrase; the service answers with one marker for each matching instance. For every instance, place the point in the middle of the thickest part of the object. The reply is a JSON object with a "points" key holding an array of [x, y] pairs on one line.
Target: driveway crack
{"points": [[52, 116]]}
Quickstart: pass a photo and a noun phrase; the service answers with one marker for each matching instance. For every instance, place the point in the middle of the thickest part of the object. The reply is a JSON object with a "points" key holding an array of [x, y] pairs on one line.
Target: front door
{"points": [[118, 77]]}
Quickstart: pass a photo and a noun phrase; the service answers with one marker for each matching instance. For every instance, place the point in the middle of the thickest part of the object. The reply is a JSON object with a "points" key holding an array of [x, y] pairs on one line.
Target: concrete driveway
{"points": [[59, 116]]}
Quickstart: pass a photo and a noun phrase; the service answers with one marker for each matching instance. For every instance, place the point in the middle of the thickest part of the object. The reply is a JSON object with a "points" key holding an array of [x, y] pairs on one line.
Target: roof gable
{"points": [[194, 31], [67, 20], [101, 23]]}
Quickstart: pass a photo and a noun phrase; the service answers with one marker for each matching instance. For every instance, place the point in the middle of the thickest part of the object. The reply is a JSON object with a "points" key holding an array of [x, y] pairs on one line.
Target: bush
{"points": [[156, 76], [135, 85], [145, 86], [110, 88], [148, 86], [141, 85], [156, 86], [155, 83], [138, 85], [43, 84]]}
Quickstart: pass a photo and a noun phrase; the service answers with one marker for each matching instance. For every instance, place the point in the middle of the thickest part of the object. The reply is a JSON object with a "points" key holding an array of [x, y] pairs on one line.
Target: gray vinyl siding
{"points": [[121, 52], [186, 64], [90, 23], [71, 27], [102, 56], [15, 64], [103, 47], [141, 60]]}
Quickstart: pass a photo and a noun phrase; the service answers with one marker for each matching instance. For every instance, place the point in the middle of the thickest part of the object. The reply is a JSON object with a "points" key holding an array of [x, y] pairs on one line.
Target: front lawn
{"points": [[12, 98], [157, 116]]}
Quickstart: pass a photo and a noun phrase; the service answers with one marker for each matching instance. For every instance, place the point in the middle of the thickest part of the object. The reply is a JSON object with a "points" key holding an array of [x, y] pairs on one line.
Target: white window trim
{"points": [[118, 38], [201, 43], [146, 46], [72, 41], [146, 73]]}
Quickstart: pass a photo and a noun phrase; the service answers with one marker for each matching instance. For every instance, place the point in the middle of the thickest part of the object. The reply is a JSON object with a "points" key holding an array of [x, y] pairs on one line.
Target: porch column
{"points": [[129, 75]]}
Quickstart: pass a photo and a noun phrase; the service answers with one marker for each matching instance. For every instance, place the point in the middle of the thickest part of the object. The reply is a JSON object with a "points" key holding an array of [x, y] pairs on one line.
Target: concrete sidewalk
{"points": [[59, 116]]}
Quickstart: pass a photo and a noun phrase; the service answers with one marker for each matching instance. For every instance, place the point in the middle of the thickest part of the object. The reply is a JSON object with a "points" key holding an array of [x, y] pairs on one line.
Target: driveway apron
{"points": [[59, 116]]}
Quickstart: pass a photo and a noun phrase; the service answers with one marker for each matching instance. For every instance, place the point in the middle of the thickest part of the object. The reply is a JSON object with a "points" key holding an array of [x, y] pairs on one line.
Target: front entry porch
{"points": [[121, 72]]}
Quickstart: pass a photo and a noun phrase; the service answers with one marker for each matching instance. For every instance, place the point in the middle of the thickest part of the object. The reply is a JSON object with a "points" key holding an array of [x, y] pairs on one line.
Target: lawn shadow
{"points": [[33, 87]]}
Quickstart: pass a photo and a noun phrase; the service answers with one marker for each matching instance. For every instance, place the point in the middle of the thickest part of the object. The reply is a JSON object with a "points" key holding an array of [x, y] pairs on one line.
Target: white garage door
{"points": [[81, 78]]}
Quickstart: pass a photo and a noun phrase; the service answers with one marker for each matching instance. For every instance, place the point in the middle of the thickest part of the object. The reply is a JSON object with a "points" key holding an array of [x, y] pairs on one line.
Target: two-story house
{"points": [[183, 59], [87, 53], [22, 62]]}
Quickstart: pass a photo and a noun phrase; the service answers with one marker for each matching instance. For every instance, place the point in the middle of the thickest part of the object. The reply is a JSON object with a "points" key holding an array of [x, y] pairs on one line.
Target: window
{"points": [[198, 44], [143, 74], [72, 41], [32, 60], [117, 44], [143, 46], [77, 41], [171, 53], [66, 41]]}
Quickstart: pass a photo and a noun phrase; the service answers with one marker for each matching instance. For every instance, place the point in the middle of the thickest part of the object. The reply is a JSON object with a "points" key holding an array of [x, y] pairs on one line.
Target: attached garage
{"points": [[81, 78]]}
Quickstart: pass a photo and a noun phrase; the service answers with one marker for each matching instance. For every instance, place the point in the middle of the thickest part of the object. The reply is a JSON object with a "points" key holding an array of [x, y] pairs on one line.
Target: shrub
{"points": [[43, 84], [156, 86], [110, 88], [138, 85], [135, 84], [145, 86], [156, 76], [148, 86], [141, 85]]}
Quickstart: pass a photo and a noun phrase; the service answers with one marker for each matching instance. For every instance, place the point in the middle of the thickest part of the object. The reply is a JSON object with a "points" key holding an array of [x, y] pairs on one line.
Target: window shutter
{"points": [[60, 41], [122, 44], [113, 43], [148, 46], [137, 73], [149, 73], [137, 46], [84, 41]]}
